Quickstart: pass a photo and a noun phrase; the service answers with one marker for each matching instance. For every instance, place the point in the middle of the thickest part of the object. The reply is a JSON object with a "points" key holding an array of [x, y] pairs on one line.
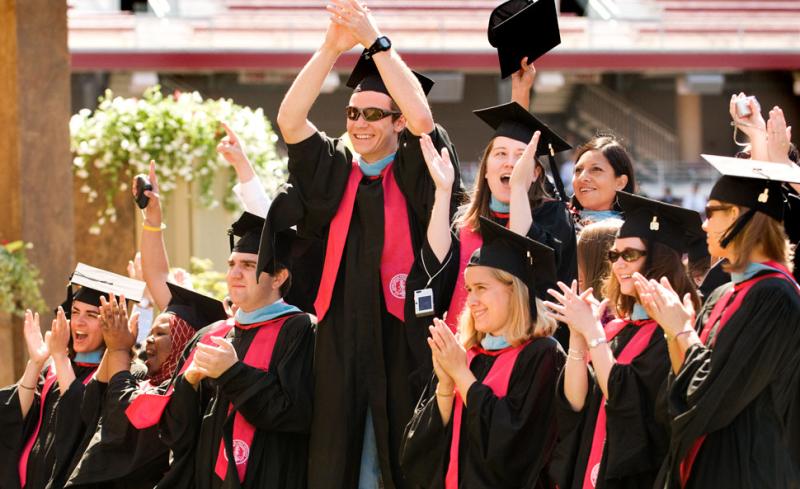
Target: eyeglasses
{"points": [[711, 209], [628, 254], [370, 114]]}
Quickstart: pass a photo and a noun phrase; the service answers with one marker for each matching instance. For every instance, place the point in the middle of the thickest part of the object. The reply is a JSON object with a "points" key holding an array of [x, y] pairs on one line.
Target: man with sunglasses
{"points": [[370, 206]]}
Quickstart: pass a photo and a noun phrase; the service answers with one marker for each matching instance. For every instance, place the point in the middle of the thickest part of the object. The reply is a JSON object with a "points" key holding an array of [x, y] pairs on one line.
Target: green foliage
{"points": [[180, 132], [206, 280], [19, 280]]}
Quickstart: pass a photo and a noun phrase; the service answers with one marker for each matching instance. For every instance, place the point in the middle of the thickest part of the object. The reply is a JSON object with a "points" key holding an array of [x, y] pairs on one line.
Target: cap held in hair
{"points": [[523, 28], [528, 260], [511, 120], [96, 282], [365, 77], [653, 220]]}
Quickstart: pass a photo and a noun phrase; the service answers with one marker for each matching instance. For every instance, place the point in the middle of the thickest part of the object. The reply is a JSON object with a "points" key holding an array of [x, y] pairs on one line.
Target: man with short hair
{"points": [[371, 208]]}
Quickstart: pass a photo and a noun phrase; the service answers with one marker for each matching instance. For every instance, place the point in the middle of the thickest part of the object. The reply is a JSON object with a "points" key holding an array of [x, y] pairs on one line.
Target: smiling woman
{"points": [[602, 167]]}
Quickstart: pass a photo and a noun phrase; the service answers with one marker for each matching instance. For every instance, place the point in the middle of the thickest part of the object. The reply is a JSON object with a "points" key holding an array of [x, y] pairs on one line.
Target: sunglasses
{"points": [[711, 209], [370, 114], [628, 254]]}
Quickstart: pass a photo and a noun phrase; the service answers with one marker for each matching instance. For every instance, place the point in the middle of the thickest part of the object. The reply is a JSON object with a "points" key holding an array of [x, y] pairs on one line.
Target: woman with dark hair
{"points": [[736, 364], [602, 167], [609, 436]]}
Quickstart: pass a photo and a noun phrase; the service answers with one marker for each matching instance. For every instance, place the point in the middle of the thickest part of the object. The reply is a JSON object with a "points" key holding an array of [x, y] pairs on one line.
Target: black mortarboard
{"points": [[277, 237], [196, 309], [754, 184], [650, 219], [365, 77], [95, 283], [248, 229], [520, 28], [511, 120], [526, 259]]}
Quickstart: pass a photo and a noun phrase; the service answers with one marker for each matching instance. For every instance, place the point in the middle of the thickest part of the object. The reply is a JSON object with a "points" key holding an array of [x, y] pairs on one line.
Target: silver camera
{"points": [[743, 107], [423, 302]]}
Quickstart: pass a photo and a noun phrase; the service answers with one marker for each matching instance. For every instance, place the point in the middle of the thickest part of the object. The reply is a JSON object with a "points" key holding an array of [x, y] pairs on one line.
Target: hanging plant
{"points": [[180, 132], [19, 280]]}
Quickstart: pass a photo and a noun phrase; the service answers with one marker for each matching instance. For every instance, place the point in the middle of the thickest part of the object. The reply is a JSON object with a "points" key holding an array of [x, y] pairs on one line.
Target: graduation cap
{"points": [[95, 283], [248, 229], [526, 259], [653, 220], [365, 77], [511, 120], [753, 184], [520, 28], [196, 309], [277, 236]]}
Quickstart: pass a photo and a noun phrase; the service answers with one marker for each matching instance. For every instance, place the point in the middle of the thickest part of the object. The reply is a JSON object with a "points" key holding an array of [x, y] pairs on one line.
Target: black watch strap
{"points": [[381, 44]]}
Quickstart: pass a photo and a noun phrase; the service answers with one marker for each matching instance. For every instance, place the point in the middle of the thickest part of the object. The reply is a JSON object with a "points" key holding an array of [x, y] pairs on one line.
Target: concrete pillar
{"points": [[690, 125], [35, 166]]}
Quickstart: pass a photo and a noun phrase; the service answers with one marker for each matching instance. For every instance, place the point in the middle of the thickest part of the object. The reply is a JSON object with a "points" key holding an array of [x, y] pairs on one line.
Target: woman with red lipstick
{"points": [[609, 436], [602, 167], [41, 416]]}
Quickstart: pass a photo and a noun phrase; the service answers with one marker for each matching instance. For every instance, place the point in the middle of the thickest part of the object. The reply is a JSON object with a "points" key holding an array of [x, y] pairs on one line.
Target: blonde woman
{"points": [[487, 420]]}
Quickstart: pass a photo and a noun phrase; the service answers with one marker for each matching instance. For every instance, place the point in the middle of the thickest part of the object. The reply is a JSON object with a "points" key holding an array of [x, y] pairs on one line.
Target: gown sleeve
{"points": [[426, 440], [635, 441], [281, 398], [570, 425], [760, 342], [516, 434], [553, 226], [414, 179], [444, 275], [12, 425], [319, 167]]}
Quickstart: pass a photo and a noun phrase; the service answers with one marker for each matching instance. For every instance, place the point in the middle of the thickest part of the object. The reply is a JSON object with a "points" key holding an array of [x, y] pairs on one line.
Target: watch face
{"points": [[384, 43]]}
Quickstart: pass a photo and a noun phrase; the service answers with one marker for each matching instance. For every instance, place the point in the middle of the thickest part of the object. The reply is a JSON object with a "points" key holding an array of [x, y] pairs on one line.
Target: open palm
{"points": [[37, 347]]}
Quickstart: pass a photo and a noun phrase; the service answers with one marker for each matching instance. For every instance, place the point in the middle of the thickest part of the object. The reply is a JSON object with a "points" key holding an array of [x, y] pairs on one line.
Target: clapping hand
{"points": [[664, 305], [119, 332], [37, 346], [778, 137], [213, 361], [356, 18], [580, 311], [448, 353]]}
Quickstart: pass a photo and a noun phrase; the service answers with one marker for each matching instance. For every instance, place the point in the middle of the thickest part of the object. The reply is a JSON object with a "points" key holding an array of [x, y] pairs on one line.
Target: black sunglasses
{"points": [[371, 114], [628, 254], [711, 209]]}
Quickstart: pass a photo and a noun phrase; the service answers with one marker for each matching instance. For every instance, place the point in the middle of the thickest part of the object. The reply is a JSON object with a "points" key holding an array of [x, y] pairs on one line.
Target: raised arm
{"points": [[155, 264], [38, 355], [525, 172], [403, 86], [522, 83], [249, 189], [57, 341], [779, 139], [443, 174], [293, 113]]}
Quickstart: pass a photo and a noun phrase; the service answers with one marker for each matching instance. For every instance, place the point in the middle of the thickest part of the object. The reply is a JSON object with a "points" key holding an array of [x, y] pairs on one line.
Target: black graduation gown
{"points": [[364, 355], [739, 394], [118, 455], [276, 402], [791, 223], [60, 438], [636, 439], [504, 442]]}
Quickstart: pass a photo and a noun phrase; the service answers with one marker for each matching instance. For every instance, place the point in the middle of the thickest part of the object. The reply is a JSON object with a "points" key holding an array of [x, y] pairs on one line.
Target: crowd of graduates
{"points": [[385, 328]]}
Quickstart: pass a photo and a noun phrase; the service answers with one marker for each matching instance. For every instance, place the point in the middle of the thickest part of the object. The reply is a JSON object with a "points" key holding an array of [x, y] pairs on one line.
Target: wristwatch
{"points": [[597, 342], [381, 44]]}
